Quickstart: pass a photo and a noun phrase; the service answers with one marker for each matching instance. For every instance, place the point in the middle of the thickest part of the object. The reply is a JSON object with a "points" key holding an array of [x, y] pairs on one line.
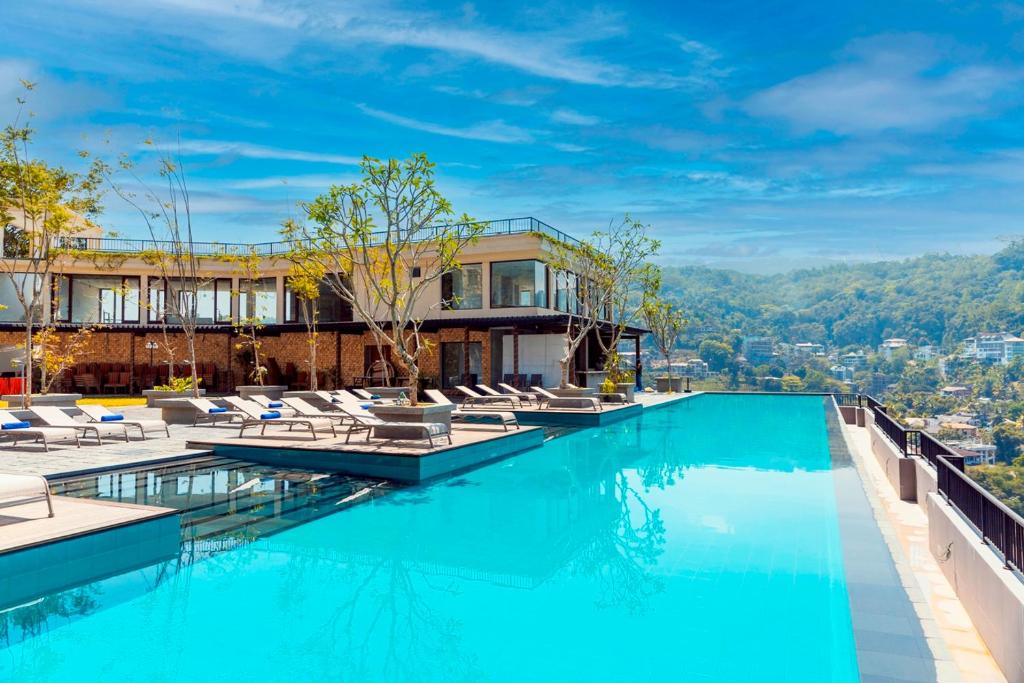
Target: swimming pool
{"points": [[697, 542]]}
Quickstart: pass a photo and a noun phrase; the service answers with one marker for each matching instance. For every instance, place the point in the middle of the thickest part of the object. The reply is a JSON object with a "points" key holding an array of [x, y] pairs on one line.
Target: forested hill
{"points": [[937, 299]]}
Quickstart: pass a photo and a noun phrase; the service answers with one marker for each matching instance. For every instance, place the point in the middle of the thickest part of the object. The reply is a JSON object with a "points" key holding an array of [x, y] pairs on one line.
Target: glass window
{"points": [[464, 288], [222, 300], [262, 304], [566, 295], [331, 307], [518, 283], [453, 364], [9, 298]]}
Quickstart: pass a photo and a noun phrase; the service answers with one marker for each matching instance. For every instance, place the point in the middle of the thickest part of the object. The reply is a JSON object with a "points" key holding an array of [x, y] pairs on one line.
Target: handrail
{"points": [[488, 228]]}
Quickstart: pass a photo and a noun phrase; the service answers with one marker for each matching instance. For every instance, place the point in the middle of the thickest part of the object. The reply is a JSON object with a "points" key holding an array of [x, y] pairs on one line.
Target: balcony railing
{"points": [[118, 245], [998, 525]]}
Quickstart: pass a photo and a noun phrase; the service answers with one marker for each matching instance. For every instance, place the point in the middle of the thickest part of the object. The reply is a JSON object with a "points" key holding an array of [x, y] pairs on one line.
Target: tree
{"points": [[56, 353], [666, 324], [167, 214], [792, 383], [1008, 439], [383, 270], [304, 282], [249, 321], [716, 354], [41, 206]]}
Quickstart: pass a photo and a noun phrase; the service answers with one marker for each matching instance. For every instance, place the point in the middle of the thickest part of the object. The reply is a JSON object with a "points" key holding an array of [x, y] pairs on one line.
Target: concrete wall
{"points": [[900, 471], [926, 482], [992, 595]]}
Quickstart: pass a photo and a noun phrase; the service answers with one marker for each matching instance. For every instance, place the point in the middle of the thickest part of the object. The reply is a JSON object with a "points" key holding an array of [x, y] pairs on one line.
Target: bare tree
{"points": [[666, 324], [384, 269]]}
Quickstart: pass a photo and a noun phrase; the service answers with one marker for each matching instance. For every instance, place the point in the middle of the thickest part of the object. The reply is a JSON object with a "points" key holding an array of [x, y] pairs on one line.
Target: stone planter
{"points": [[626, 388], [574, 393], [388, 392], [153, 395], [667, 384], [271, 391], [61, 400], [424, 412]]}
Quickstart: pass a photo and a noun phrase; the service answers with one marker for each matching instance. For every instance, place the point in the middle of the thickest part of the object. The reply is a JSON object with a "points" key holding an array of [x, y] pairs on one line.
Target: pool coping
{"points": [[894, 629]]}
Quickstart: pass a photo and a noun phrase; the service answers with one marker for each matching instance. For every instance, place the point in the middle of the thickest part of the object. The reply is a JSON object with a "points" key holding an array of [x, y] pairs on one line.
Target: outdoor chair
{"points": [[271, 404], [55, 417], [523, 396], [101, 414], [549, 400], [373, 425], [303, 408], [477, 416], [208, 411], [471, 398], [255, 414], [19, 489], [16, 430]]}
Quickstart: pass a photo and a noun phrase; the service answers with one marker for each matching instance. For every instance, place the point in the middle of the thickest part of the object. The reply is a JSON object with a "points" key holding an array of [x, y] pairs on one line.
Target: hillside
{"points": [[936, 299]]}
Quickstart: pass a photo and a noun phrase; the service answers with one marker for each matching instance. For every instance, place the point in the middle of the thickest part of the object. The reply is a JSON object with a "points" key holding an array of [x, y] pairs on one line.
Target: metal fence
{"points": [[118, 245]]}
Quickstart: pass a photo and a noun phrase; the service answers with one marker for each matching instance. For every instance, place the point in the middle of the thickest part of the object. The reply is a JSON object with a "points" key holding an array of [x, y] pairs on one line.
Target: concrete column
{"points": [[143, 299], [279, 285]]}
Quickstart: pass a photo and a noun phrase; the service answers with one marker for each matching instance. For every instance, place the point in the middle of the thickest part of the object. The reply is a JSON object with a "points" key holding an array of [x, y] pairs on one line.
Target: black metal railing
{"points": [[997, 524], [118, 245], [847, 400]]}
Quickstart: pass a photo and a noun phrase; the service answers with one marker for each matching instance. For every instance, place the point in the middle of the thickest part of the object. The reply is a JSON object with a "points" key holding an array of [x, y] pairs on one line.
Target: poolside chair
{"points": [[364, 395], [271, 404], [487, 391], [330, 399], [303, 408], [208, 411], [19, 489], [17, 430], [369, 423], [101, 414], [477, 416], [471, 398], [255, 414], [55, 417], [549, 400], [523, 396]]}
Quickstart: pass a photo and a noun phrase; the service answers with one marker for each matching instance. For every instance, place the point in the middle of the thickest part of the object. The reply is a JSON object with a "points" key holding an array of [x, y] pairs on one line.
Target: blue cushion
{"points": [[365, 406], [335, 400], [16, 425], [111, 418], [275, 404], [217, 410], [270, 415], [375, 397]]}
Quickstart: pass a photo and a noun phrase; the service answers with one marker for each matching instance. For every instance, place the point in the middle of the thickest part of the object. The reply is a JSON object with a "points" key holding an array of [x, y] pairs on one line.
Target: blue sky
{"points": [[748, 134]]}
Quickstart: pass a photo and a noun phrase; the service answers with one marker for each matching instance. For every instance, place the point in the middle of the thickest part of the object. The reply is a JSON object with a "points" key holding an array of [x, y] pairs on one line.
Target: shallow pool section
{"points": [[698, 542]]}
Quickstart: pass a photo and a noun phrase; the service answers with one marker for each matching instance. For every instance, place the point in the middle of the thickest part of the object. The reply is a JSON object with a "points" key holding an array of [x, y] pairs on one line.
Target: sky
{"points": [[750, 135]]}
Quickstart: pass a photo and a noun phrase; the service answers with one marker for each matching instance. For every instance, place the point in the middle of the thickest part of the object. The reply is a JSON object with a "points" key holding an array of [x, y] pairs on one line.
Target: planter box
{"points": [[626, 388], [388, 392], [573, 393], [152, 395], [271, 391], [61, 400], [667, 384], [425, 412]]}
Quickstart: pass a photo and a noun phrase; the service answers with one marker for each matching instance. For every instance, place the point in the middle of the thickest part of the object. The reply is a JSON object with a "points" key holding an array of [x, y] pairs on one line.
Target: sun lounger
{"points": [[478, 416], [371, 424], [330, 399], [208, 411], [523, 396], [549, 400], [364, 395], [18, 489], [98, 413], [55, 417], [255, 414], [471, 398], [303, 408], [271, 404], [24, 431]]}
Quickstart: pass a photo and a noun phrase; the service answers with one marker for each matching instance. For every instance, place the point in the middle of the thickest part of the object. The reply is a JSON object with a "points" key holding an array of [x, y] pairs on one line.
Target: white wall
{"points": [[538, 353]]}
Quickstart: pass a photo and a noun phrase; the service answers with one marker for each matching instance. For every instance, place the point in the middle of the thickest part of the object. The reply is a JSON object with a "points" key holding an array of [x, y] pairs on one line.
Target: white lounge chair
{"points": [[346, 396], [505, 419], [55, 417], [18, 489], [365, 395], [44, 434], [549, 400], [271, 404], [208, 411], [366, 422], [303, 408], [97, 413], [523, 396], [330, 399], [255, 414], [471, 398]]}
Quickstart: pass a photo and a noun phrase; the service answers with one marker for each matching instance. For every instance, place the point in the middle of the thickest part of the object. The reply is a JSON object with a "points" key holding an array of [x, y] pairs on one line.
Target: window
{"points": [[518, 283], [104, 299], [463, 289], [453, 363], [566, 294], [262, 304], [331, 308], [211, 302], [9, 298]]}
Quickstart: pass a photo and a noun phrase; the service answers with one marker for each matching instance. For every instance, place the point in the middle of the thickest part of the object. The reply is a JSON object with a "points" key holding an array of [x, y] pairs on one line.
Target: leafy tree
{"points": [[1008, 439], [304, 282], [716, 354], [666, 324], [791, 383]]}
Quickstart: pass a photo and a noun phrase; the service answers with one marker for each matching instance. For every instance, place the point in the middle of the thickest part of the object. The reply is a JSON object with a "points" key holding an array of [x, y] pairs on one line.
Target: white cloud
{"points": [[490, 131], [574, 118], [245, 149], [886, 83], [569, 147]]}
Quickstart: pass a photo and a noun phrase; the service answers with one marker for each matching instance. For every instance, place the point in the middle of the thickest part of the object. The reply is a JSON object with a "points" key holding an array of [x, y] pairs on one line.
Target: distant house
{"points": [[925, 353], [805, 350], [695, 368], [758, 349], [841, 372], [977, 453], [999, 348], [956, 391], [889, 345], [962, 430], [879, 384], [856, 360]]}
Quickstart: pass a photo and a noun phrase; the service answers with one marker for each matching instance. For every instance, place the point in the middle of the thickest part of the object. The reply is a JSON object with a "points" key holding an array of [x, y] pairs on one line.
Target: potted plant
{"points": [[176, 387]]}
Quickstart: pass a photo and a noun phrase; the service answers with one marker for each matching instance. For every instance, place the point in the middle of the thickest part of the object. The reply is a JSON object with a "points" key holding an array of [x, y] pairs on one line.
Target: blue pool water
{"points": [[696, 543]]}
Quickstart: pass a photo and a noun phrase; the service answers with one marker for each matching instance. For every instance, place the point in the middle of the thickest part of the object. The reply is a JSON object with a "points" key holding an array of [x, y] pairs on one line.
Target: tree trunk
{"points": [[192, 357], [26, 386], [565, 364], [414, 376], [312, 363]]}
